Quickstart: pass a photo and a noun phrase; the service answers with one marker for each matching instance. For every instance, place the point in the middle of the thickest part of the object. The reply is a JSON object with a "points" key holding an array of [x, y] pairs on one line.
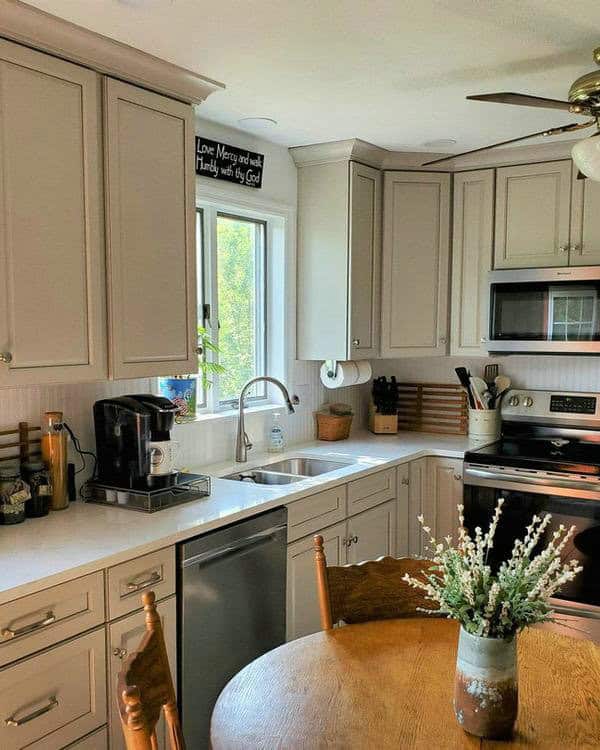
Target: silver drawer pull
{"points": [[155, 577], [48, 620], [12, 722]]}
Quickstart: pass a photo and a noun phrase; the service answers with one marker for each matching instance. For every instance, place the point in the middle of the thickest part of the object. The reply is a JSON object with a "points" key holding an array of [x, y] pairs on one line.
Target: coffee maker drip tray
{"points": [[188, 487]]}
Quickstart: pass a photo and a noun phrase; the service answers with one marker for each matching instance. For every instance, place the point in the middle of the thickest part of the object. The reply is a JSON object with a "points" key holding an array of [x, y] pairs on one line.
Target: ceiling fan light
{"points": [[586, 155]]}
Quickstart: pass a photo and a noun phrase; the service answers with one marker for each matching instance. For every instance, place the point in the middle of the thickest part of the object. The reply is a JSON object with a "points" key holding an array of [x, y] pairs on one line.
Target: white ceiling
{"points": [[392, 72]]}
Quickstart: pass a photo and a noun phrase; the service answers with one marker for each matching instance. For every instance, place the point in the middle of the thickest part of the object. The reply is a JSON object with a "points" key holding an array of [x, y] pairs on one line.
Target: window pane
{"points": [[240, 280]]}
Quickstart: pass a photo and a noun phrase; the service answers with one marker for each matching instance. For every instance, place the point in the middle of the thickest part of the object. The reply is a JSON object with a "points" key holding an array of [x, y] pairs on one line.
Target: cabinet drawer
{"points": [[316, 511], [40, 620], [56, 697], [126, 582], [372, 490], [96, 741]]}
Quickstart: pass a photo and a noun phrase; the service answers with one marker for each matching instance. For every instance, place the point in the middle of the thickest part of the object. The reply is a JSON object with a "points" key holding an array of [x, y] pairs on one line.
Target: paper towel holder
{"points": [[332, 366]]}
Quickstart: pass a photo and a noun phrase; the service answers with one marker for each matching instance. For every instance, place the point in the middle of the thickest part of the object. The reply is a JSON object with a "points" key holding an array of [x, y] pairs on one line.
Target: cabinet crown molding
{"points": [[352, 149], [35, 28]]}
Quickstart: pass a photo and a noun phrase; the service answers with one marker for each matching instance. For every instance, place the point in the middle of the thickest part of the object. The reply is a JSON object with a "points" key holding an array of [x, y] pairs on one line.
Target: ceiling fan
{"points": [[584, 99]]}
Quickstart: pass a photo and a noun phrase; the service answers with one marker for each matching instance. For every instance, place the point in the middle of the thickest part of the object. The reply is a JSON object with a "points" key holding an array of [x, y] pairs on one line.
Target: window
{"points": [[572, 314], [232, 295]]}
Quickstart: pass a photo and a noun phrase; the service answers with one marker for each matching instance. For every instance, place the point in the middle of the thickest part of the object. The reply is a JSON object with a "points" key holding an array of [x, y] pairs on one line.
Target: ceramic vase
{"points": [[485, 691]]}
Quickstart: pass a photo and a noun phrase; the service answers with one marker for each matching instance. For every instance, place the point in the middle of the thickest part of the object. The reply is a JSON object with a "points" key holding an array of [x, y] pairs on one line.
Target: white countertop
{"points": [[84, 538]]}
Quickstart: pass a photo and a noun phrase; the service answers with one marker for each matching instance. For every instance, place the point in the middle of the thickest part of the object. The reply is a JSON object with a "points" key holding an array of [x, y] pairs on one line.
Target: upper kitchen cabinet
{"points": [[151, 261], [339, 220], [472, 244], [532, 215], [52, 298], [416, 231], [585, 222]]}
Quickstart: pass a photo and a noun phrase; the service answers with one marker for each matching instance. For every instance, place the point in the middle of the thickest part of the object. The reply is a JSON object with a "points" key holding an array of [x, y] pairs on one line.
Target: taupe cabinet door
{"points": [[473, 228], [532, 215], [339, 253], [416, 228], [124, 637], [52, 299], [585, 222], [150, 186]]}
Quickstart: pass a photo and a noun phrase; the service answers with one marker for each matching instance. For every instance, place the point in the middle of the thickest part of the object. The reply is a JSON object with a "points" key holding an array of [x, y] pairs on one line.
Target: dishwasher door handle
{"points": [[228, 549]]}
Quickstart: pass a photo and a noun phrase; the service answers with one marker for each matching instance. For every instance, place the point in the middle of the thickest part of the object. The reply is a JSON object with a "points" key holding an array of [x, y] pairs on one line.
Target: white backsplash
{"points": [[535, 372], [202, 442]]}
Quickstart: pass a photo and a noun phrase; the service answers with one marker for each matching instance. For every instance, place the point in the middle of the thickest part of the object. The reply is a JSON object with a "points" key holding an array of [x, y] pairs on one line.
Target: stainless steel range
{"points": [[547, 461]]}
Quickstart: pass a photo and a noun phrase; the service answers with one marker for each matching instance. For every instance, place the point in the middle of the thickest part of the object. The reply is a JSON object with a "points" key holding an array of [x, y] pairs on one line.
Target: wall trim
{"points": [[35, 28], [353, 149]]}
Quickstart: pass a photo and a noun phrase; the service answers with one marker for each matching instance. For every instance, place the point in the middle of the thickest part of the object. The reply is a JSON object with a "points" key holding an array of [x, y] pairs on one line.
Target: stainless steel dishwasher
{"points": [[231, 610]]}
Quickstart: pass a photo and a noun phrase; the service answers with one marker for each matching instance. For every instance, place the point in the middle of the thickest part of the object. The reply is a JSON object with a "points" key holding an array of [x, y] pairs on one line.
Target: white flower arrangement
{"points": [[496, 604]]}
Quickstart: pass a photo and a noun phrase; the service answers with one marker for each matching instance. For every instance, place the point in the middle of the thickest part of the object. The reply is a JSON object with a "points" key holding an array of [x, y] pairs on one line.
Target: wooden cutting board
{"points": [[433, 407]]}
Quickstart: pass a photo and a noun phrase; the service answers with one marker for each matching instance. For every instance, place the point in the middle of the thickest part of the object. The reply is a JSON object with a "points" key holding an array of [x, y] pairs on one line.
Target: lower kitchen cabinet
{"points": [[56, 697], [124, 637], [302, 600], [372, 534], [402, 502], [365, 536], [95, 741], [435, 490]]}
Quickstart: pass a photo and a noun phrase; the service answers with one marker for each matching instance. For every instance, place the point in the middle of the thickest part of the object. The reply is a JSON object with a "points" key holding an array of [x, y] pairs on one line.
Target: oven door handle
{"points": [[541, 485]]}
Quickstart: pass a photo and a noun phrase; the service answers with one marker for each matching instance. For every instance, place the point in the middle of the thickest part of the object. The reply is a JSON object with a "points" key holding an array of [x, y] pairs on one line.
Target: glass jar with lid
{"points": [[14, 493], [37, 477]]}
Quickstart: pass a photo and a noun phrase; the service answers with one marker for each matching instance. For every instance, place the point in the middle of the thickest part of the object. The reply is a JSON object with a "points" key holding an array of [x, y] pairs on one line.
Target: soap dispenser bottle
{"points": [[276, 435]]}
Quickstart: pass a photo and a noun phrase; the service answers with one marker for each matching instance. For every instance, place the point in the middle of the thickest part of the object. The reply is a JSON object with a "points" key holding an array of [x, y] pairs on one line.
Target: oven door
{"points": [[579, 598], [545, 310]]}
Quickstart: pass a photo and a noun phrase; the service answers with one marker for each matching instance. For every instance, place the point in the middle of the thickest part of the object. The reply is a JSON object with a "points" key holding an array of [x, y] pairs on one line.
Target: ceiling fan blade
{"points": [[524, 100], [548, 131]]}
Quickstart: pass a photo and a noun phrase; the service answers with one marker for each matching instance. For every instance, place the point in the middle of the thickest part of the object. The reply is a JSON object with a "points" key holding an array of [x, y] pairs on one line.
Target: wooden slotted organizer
{"points": [[433, 407], [20, 444]]}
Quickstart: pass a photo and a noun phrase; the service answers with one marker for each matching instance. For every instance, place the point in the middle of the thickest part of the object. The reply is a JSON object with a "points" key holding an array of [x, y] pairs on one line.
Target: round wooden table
{"points": [[389, 684]]}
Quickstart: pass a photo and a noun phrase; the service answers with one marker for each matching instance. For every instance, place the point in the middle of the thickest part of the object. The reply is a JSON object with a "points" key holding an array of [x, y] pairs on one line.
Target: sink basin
{"points": [[305, 467], [287, 471], [256, 476]]}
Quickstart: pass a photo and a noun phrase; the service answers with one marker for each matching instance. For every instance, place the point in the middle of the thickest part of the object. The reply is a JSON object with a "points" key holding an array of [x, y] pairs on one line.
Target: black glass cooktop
{"points": [[545, 453]]}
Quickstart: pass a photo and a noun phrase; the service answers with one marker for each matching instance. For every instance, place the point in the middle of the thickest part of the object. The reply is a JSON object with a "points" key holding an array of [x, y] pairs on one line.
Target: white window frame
{"points": [[207, 295], [562, 293]]}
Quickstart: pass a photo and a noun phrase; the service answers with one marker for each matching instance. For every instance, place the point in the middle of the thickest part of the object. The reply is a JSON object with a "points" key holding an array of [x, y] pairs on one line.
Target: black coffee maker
{"points": [[126, 427]]}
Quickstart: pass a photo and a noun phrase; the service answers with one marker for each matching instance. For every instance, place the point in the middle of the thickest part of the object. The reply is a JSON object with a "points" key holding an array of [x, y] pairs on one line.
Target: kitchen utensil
{"points": [[490, 373], [502, 383], [479, 390], [463, 375]]}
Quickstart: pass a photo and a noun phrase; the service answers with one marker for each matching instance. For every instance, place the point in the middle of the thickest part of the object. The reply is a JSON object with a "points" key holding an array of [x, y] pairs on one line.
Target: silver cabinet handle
{"points": [[354, 539], [6, 357], [458, 477], [575, 248], [442, 339], [483, 339], [405, 480], [120, 653], [12, 722], [48, 620], [564, 248], [355, 342], [155, 577]]}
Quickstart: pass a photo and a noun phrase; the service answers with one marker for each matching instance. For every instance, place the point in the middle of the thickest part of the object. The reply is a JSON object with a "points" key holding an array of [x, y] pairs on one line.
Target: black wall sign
{"points": [[225, 162]]}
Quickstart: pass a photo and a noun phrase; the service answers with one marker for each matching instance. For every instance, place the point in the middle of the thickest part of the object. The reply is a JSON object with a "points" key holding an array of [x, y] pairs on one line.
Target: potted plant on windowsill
{"points": [[492, 607], [182, 390]]}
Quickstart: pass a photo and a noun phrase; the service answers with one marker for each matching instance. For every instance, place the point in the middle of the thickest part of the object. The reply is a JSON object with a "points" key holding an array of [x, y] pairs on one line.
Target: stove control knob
{"points": [[513, 401], [528, 401]]}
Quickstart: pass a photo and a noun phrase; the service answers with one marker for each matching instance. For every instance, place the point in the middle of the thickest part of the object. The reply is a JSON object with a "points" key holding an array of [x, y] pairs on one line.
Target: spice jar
{"points": [[37, 477], [13, 495]]}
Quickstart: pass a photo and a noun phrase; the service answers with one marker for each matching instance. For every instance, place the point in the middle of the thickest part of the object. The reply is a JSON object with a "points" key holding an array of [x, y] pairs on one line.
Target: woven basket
{"points": [[333, 427]]}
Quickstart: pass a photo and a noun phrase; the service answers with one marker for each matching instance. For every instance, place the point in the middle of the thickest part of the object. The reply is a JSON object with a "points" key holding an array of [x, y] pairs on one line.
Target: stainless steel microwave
{"points": [[545, 310]]}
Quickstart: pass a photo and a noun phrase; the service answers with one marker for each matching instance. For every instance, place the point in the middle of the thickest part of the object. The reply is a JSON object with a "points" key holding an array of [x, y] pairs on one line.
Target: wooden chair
{"points": [[371, 590], [145, 687]]}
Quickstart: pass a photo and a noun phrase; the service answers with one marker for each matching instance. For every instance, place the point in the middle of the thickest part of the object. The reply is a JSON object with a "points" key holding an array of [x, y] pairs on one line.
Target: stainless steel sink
{"points": [[257, 476], [305, 467], [287, 471]]}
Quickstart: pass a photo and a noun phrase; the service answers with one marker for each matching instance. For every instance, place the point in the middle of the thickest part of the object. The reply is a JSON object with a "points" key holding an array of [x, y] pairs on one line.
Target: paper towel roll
{"points": [[347, 374]]}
